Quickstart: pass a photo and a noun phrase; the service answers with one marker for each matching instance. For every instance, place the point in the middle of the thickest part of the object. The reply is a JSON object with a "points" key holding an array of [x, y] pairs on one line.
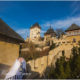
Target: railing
{"points": [[16, 77]]}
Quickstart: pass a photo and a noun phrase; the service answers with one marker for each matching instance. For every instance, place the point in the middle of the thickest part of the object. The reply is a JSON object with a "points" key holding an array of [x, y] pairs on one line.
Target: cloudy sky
{"points": [[21, 15]]}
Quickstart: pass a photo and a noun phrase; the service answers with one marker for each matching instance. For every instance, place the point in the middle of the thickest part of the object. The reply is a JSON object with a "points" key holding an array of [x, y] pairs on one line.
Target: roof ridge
{"points": [[73, 27], [35, 25], [8, 31]]}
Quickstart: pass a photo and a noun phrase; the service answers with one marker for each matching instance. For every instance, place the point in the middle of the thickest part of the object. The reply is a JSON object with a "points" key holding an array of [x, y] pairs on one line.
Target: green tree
{"points": [[52, 46], [67, 70], [60, 68], [74, 51], [76, 67]]}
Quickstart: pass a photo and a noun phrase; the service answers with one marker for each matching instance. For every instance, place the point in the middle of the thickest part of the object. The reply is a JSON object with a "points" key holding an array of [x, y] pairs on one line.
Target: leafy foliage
{"points": [[52, 46], [66, 69], [60, 32], [32, 53]]}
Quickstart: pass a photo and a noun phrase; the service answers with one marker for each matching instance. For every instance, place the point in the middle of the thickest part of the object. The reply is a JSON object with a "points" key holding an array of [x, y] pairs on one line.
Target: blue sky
{"points": [[21, 15]]}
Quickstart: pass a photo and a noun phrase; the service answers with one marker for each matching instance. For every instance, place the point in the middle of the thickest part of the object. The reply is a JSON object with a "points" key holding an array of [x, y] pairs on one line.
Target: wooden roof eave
{"points": [[20, 41], [71, 30]]}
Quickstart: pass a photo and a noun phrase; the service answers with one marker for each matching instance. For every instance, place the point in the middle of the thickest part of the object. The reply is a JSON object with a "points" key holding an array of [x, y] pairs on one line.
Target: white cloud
{"points": [[63, 23], [47, 24], [43, 31], [23, 32]]}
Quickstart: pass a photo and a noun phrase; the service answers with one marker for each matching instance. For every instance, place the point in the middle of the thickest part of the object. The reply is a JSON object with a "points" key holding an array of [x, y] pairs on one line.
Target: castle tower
{"points": [[35, 32]]}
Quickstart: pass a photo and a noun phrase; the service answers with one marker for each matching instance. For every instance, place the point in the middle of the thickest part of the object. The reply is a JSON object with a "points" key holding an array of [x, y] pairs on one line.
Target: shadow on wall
{"points": [[46, 72], [31, 74], [3, 70]]}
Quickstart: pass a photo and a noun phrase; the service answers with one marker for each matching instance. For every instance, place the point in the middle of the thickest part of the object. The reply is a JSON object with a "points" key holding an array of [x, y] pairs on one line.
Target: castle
{"points": [[35, 32], [65, 43], [72, 35]]}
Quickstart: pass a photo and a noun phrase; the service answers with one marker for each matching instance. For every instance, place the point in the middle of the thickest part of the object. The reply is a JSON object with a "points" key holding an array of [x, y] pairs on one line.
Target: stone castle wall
{"points": [[34, 33], [39, 65], [8, 53]]}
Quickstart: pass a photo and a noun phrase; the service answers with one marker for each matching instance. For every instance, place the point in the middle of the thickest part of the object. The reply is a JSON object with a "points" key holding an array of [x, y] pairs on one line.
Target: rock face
{"points": [[40, 64]]}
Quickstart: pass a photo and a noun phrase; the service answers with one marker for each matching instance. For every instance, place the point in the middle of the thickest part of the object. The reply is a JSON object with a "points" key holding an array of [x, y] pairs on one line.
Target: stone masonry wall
{"points": [[8, 53]]}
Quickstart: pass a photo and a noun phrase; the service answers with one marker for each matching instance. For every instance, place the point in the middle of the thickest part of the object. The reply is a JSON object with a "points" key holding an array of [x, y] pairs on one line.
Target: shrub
{"points": [[33, 53], [66, 69]]}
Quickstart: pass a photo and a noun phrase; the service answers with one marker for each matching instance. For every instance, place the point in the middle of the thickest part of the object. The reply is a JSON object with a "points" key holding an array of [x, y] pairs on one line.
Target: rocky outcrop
{"points": [[40, 64]]}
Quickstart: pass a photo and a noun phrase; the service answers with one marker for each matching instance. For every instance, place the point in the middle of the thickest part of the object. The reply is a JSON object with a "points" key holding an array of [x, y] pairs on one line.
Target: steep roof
{"points": [[7, 31], [73, 27], [35, 25], [49, 31]]}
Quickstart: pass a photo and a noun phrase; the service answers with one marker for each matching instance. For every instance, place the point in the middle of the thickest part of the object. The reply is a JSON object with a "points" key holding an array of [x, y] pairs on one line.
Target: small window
{"points": [[74, 40]]}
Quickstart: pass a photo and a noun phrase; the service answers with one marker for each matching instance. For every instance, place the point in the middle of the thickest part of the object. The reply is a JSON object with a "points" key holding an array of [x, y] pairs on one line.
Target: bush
{"points": [[66, 69], [52, 46], [32, 53]]}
